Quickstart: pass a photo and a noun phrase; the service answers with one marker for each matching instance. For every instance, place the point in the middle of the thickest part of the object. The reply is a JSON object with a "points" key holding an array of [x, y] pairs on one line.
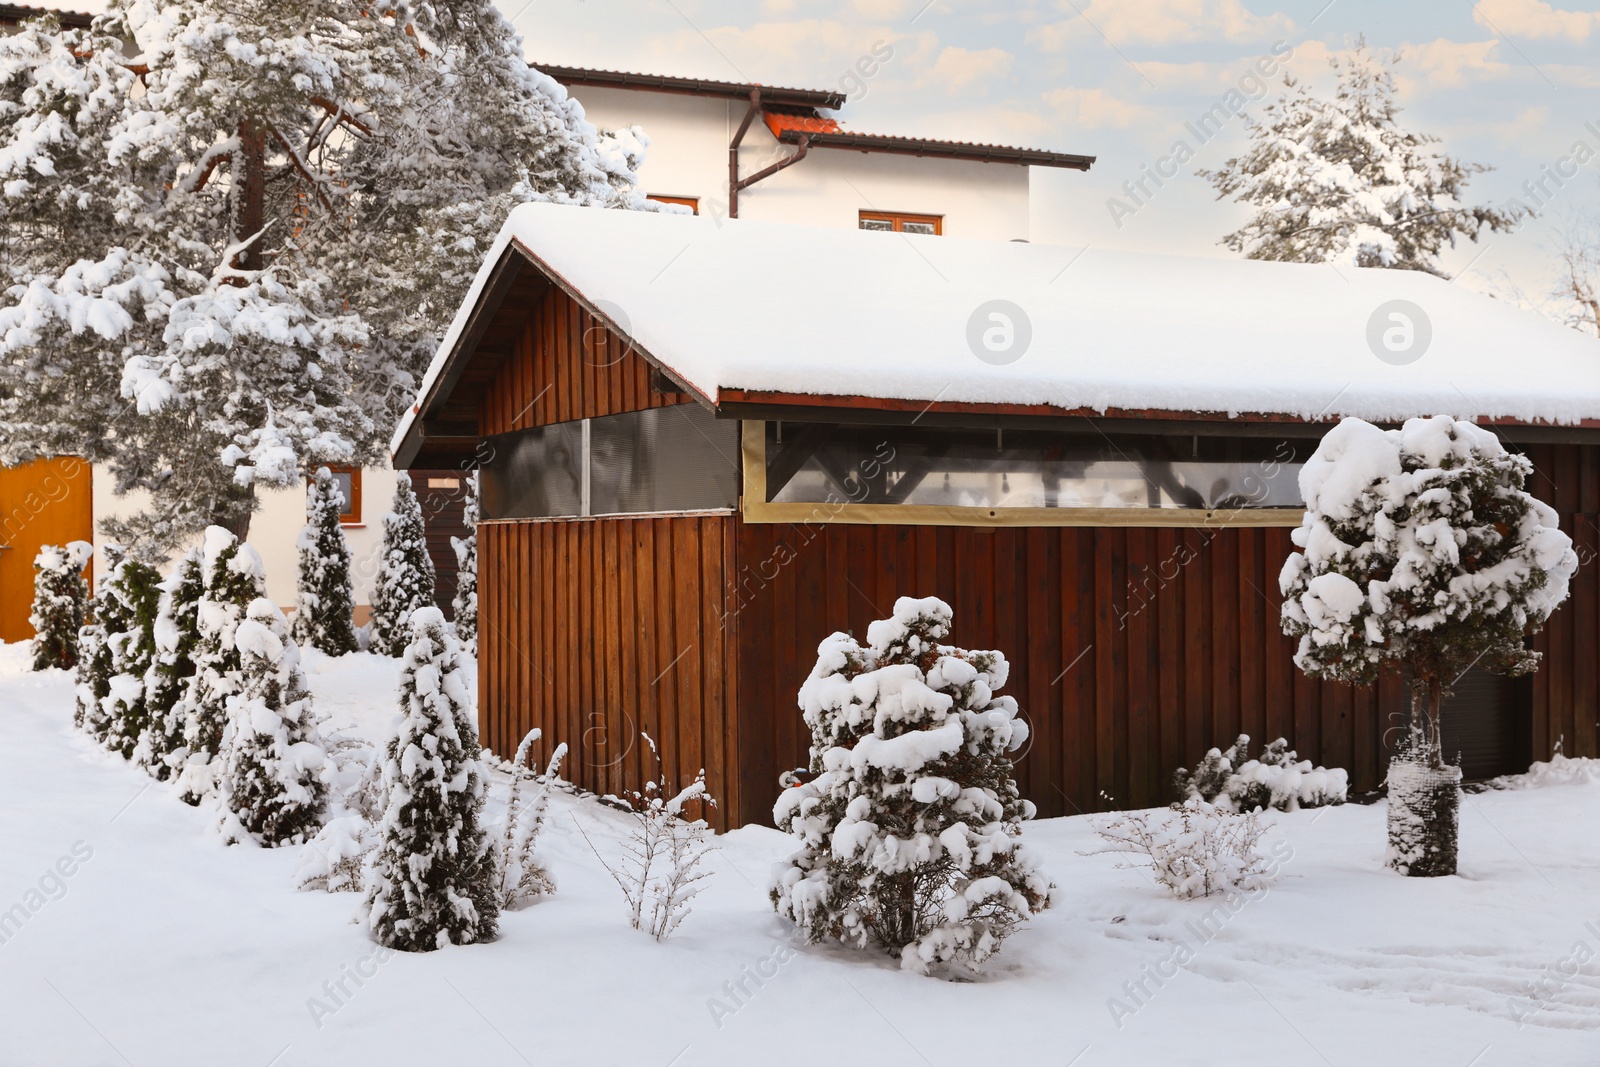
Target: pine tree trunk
{"points": [[1424, 793], [232, 511], [250, 199]]}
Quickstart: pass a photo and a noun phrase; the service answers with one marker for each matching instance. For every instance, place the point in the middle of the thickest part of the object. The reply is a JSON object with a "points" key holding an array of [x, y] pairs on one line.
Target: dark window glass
{"points": [[534, 474], [1038, 469], [677, 458]]}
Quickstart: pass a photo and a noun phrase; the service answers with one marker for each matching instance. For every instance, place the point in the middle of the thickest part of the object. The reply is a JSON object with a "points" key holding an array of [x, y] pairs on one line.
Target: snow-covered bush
{"points": [[1195, 849], [464, 606], [432, 880], [177, 632], [325, 600], [660, 871], [272, 777], [93, 672], [135, 588], [910, 834], [334, 859], [1278, 778], [234, 580], [405, 579], [1421, 551], [60, 598], [523, 879]]}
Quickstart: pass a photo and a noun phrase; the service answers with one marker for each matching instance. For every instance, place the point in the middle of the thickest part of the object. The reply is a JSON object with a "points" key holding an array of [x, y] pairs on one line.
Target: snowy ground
{"points": [[164, 947]]}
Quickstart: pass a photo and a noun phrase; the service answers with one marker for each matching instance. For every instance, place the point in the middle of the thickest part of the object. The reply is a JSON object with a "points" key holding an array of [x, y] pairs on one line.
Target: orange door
{"points": [[46, 502]]}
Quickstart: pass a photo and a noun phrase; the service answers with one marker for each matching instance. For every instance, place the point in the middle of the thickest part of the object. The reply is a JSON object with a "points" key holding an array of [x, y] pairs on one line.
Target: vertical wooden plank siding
{"points": [[46, 502], [1132, 651], [585, 640]]}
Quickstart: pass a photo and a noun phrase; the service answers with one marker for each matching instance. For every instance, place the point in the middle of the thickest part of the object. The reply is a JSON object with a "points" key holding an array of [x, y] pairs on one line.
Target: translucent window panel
{"points": [[1032, 469], [919, 227], [886, 225], [677, 458], [534, 474]]}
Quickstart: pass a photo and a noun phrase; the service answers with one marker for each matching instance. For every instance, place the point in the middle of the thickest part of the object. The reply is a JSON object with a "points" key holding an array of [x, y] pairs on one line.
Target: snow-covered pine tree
{"points": [[464, 606], [60, 598], [135, 587], [1341, 181], [909, 834], [432, 880], [325, 602], [1421, 551], [405, 572], [234, 579], [107, 620], [273, 774], [177, 632], [234, 232]]}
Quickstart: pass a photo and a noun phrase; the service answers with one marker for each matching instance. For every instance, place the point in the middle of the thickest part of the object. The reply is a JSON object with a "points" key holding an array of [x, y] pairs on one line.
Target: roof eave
{"points": [[663, 83], [914, 146]]}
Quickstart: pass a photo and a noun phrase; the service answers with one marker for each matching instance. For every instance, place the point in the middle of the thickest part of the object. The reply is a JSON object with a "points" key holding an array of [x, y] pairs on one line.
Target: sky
{"points": [[1510, 84]]}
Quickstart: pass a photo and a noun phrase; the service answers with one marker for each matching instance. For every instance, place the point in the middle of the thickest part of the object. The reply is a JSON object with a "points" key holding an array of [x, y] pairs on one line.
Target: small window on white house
{"points": [[900, 222], [348, 479]]}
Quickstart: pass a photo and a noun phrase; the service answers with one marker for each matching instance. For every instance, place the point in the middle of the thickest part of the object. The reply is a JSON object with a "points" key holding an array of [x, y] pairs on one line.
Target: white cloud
{"points": [[959, 67], [1445, 64], [1535, 19], [1162, 22], [1094, 109]]}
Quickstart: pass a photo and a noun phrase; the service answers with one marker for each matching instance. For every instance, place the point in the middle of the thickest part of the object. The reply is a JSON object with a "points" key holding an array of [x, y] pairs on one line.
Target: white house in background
{"points": [[727, 150], [737, 150]]}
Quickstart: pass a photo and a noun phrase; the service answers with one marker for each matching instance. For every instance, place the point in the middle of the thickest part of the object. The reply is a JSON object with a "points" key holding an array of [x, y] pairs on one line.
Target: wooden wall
{"points": [[567, 366], [1132, 650], [46, 502], [596, 629]]}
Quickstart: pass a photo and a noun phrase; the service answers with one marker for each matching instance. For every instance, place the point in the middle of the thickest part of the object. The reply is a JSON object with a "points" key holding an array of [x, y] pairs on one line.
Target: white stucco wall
{"points": [[275, 527], [688, 156]]}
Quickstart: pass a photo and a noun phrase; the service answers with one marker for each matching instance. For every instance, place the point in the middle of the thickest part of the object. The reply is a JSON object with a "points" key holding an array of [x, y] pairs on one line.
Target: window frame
{"points": [[351, 516], [757, 509], [690, 202], [898, 220]]}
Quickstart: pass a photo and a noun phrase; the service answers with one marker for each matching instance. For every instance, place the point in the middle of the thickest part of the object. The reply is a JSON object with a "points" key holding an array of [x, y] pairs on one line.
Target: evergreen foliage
{"points": [[177, 632], [235, 232], [432, 880], [109, 620], [325, 600], [1341, 181], [60, 600], [909, 834], [464, 606], [405, 572], [233, 580], [1421, 551], [273, 774], [135, 589]]}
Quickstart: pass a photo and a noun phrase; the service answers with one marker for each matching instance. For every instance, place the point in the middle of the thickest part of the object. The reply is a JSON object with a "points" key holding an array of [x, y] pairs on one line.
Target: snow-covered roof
{"points": [[742, 306]]}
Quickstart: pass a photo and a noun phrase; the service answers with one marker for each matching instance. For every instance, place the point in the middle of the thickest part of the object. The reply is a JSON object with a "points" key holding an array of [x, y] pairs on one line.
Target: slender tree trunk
{"points": [[1424, 793], [250, 196]]}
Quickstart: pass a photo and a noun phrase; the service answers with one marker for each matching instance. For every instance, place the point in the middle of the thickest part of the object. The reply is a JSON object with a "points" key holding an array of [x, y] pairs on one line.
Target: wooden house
{"points": [[705, 445]]}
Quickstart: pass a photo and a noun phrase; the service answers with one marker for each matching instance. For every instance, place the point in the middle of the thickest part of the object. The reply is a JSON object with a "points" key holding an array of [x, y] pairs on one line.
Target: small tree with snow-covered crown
{"points": [[324, 605], [405, 572], [465, 604], [1421, 551], [60, 598], [910, 833], [93, 673], [273, 776], [432, 881], [177, 633], [234, 579], [135, 587]]}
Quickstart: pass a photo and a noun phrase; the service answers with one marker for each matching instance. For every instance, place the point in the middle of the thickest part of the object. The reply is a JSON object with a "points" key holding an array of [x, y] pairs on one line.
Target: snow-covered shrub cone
{"points": [[1421, 551], [464, 606], [136, 589], [910, 833], [333, 860], [176, 633], [325, 599], [93, 673], [234, 579], [273, 773], [1277, 779], [660, 872], [432, 881], [1195, 849], [60, 598], [523, 879], [405, 572]]}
